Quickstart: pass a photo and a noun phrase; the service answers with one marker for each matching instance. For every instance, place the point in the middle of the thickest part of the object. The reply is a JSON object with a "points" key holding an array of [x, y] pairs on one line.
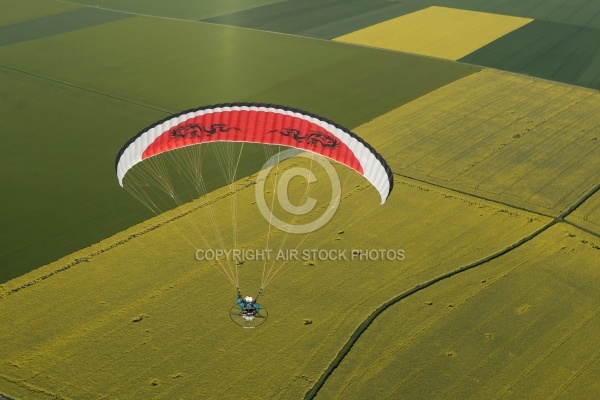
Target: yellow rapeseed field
{"points": [[437, 31], [588, 214], [135, 316], [519, 140], [524, 325]]}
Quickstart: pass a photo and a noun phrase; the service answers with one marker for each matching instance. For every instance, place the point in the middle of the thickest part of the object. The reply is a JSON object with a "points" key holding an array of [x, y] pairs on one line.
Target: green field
{"points": [[253, 66], [341, 26], [39, 28], [559, 52], [113, 63], [294, 16], [575, 12], [55, 164], [562, 44], [180, 9], [24, 10], [323, 19]]}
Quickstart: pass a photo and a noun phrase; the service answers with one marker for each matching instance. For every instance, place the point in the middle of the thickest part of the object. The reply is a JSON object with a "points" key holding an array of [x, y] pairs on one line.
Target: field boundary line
{"points": [[579, 202], [312, 392], [560, 218], [581, 228], [112, 242], [83, 88], [465, 193], [563, 217], [199, 21], [140, 14]]}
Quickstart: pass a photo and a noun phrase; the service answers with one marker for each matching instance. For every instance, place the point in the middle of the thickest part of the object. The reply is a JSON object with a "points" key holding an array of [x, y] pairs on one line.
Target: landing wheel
{"points": [[246, 320]]}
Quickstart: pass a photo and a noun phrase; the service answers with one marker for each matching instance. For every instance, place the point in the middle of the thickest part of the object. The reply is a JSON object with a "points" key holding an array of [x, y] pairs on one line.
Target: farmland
{"points": [[523, 325], [560, 52], [323, 19], [436, 31], [495, 206], [576, 12], [501, 136], [182, 9], [56, 24], [50, 198], [18, 11], [104, 89], [550, 39], [183, 344], [588, 214]]}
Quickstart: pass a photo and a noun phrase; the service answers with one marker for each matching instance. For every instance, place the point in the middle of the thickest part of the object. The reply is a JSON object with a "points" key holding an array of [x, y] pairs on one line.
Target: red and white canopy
{"points": [[258, 123]]}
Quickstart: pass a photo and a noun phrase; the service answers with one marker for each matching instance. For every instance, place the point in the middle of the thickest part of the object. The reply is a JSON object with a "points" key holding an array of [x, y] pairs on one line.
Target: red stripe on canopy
{"points": [[257, 127]]}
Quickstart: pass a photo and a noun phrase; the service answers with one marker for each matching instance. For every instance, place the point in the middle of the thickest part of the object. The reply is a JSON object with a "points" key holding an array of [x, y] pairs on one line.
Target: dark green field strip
{"points": [[342, 26], [14, 11], [57, 24], [559, 52], [59, 192], [302, 16], [575, 12], [182, 9]]}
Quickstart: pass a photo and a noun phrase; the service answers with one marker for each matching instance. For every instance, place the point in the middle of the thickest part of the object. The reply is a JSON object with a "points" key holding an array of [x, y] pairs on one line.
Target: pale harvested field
{"points": [[74, 334], [524, 325], [437, 31], [530, 143]]}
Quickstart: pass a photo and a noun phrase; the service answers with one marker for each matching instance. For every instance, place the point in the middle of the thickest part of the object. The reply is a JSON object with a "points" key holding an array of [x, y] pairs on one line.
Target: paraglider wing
{"points": [[258, 123]]}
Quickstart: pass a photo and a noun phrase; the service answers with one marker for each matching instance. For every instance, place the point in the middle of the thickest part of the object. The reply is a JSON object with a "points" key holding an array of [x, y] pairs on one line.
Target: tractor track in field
{"points": [[314, 390], [560, 218]]}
